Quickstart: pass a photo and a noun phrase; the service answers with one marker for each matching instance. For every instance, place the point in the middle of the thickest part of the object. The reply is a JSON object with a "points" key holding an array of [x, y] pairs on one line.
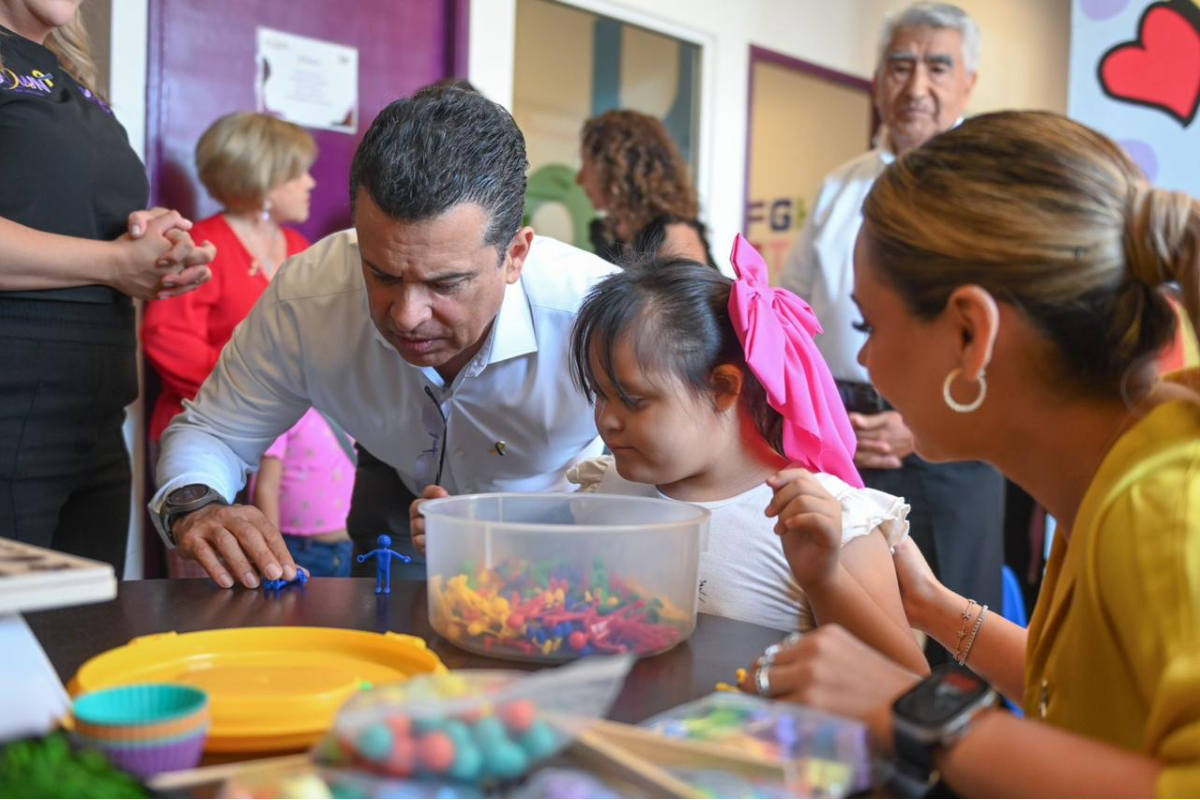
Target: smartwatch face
{"points": [[187, 494], [942, 696]]}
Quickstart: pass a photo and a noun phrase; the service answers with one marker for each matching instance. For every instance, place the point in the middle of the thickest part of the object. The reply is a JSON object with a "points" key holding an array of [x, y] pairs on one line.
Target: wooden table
{"points": [[71, 636]]}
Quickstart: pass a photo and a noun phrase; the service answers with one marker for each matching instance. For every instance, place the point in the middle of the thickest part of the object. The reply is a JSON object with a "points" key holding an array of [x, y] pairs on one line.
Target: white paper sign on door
{"points": [[310, 82]]}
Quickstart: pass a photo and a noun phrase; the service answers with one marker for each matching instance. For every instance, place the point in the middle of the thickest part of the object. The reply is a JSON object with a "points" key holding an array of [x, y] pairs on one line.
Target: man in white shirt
{"points": [[926, 71], [435, 333]]}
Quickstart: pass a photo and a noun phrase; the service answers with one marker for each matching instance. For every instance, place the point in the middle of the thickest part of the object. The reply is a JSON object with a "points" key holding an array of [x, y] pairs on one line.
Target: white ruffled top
{"points": [[863, 510], [744, 574]]}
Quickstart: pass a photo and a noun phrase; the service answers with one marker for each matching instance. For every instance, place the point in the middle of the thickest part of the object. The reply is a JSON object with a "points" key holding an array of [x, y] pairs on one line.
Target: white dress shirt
{"points": [[513, 419], [821, 266]]}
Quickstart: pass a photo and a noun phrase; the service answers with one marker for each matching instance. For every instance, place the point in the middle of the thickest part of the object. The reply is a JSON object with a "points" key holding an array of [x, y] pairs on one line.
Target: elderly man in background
{"points": [[929, 54]]}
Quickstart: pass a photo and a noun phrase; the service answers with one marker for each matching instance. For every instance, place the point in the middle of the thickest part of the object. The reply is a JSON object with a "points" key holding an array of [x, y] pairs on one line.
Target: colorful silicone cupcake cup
{"points": [[145, 728], [184, 725], [139, 704], [146, 759]]}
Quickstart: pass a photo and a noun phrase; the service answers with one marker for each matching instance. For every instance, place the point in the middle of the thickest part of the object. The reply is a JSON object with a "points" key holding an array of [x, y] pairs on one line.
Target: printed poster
{"points": [[309, 82]]}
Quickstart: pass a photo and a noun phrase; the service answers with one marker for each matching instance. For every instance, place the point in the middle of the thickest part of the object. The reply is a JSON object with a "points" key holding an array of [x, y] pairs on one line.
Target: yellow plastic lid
{"points": [[269, 688]]}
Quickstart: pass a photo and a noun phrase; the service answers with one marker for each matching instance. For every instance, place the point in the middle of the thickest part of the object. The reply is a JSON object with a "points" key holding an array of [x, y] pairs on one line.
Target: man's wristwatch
{"points": [[183, 501], [934, 714]]}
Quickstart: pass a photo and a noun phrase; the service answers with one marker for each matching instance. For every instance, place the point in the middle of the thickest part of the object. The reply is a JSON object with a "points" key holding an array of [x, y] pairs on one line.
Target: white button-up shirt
{"points": [[821, 266], [513, 419]]}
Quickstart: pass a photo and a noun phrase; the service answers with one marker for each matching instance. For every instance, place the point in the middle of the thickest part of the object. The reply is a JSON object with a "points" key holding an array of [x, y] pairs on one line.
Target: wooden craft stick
{"points": [[168, 782]]}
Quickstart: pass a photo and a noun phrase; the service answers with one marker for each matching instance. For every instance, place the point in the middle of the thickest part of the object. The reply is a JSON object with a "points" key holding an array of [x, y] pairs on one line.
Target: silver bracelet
{"points": [[962, 661]]}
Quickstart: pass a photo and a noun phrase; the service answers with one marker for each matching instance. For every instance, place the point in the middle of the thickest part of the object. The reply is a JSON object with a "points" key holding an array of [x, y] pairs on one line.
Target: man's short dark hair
{"points": [[444, 146]]}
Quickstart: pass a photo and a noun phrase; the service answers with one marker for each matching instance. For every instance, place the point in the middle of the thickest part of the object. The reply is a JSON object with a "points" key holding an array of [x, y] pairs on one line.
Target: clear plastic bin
{"points": [[551, 577]]}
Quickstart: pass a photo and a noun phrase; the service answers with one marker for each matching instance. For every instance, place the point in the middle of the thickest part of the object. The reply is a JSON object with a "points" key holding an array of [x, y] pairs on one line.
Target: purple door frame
{"points": [[762, 54]]}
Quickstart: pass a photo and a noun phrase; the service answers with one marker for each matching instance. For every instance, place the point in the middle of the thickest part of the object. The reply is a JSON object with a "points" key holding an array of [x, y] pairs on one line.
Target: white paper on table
{"points": [[306, 81], [32, 698]]}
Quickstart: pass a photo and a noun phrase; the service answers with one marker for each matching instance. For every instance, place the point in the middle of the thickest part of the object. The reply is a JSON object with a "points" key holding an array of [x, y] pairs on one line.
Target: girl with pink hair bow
{"points": [[711, 391]]}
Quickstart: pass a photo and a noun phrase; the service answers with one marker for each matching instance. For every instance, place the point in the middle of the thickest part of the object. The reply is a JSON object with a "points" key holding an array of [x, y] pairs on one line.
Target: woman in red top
{"points": [[257, 167]]}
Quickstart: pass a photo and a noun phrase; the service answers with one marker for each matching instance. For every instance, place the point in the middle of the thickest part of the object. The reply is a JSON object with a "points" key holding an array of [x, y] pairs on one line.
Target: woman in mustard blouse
{"points": [[1028, 247]]}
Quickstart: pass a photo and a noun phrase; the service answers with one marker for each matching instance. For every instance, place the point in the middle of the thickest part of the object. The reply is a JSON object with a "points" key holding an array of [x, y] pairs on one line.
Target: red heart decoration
{"points": [[1162, 68]]}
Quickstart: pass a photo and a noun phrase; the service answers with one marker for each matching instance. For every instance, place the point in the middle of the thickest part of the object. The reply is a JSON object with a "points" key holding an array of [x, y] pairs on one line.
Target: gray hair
{"points": [[933, 15]]}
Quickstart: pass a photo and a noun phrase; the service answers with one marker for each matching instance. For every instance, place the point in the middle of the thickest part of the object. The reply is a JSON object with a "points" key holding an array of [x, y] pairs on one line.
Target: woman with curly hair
{"points": [[633, 172]]}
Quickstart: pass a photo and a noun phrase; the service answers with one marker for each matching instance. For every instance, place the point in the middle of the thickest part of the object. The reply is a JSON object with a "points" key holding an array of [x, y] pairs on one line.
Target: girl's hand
{"points": [[919, 587], [416, 520], [809, 525], [829, 669]]}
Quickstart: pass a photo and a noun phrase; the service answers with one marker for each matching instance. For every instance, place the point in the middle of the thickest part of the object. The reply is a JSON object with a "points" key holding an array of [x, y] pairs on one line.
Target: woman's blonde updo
{"points": [[1052, 217]]}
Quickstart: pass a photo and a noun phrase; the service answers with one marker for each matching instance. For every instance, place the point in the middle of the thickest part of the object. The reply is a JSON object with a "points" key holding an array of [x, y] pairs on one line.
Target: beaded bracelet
{"points": [[962, 661]]}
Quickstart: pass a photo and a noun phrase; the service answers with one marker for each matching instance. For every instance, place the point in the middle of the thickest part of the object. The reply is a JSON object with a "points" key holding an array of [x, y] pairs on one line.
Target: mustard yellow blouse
{"points": [[1114, 644]]}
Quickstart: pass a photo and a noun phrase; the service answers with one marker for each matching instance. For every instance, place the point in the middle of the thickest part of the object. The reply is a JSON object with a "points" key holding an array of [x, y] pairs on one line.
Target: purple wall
{"points": [[202, 66]]}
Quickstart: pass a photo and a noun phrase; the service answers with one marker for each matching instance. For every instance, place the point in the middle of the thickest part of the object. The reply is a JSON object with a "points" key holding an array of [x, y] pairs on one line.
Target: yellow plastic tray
{"points": [[271, 689]]}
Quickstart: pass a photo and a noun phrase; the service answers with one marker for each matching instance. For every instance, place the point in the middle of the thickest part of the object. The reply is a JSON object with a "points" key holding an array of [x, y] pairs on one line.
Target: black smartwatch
{"points": [[933, 714], [183, 501]]}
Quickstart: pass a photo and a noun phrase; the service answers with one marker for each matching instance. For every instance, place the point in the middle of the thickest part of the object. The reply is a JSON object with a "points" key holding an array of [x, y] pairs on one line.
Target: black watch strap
{"points": [[914, 758], [930, 716]]}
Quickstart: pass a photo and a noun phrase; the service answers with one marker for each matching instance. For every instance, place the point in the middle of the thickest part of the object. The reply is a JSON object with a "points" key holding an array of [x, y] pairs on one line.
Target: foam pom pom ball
{"points": [[435, 752], [503, 759], [374, 743], [540, 741], [518, 715]]}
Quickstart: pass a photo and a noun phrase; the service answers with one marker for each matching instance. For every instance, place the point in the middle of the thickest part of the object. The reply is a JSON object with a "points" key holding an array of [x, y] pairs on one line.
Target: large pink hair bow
{"points": [[776, 329]]}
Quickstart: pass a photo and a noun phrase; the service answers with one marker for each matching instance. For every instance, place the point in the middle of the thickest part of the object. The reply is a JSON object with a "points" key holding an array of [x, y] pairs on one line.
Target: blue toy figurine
{"points": [[383, 556], [300, 580]]}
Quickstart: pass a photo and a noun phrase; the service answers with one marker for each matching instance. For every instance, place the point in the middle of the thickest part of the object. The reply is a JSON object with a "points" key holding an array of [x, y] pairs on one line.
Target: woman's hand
{"points": [[919, 587], [149, 266], [185, 265], [416, 520], [809, 524], [830, 670], [138, 221]]}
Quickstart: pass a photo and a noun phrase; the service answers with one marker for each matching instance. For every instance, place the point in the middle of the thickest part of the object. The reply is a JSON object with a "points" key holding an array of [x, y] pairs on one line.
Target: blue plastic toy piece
{"points": [[383, 556], [274, 586]]}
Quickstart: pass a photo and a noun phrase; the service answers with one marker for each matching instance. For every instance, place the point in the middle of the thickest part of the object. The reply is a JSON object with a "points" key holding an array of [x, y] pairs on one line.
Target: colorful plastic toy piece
{"points": [[552, 610], [274, 586], [383, 556]]}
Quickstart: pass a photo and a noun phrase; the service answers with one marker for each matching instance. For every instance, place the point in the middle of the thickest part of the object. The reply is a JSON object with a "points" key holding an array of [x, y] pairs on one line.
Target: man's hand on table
{"points": [[234, 540]]}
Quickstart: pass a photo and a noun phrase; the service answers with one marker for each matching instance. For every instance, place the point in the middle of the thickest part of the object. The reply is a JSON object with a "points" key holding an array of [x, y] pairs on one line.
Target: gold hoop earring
{"points": [[963, 408]]}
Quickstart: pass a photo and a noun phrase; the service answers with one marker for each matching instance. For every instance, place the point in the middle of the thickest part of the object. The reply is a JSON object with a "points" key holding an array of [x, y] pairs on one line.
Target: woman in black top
{"points": [[633, 172], [70, 185]]}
